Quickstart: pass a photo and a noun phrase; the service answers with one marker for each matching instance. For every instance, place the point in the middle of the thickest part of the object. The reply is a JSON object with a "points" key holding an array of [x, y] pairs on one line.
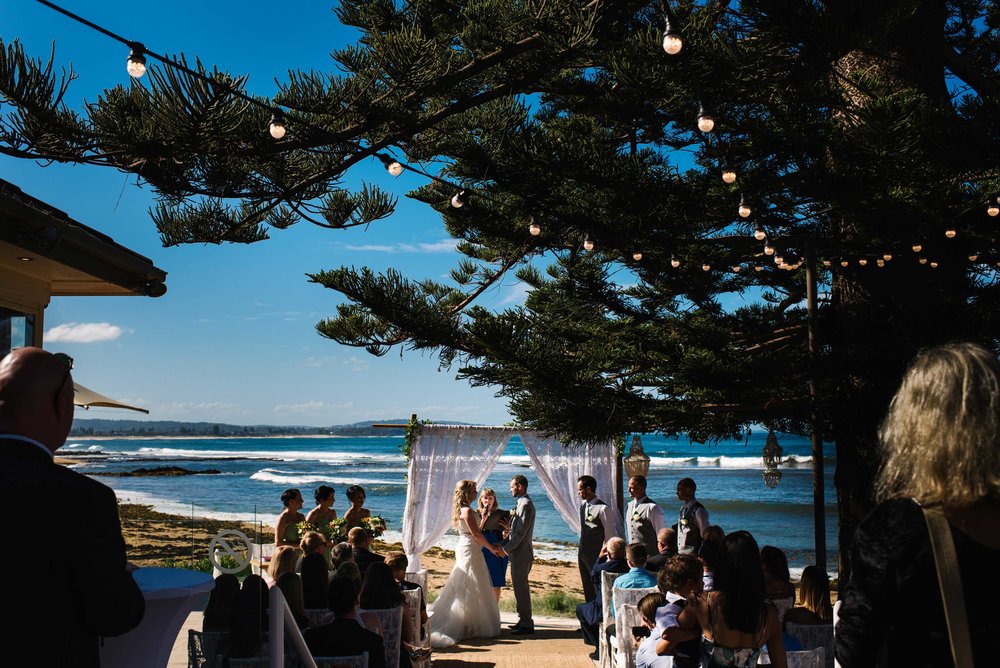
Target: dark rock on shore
{"points": [[159, 470]]}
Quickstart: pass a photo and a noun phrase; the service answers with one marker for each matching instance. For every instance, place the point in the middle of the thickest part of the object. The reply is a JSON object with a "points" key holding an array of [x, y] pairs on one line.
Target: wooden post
{"points": [[819, 502]]}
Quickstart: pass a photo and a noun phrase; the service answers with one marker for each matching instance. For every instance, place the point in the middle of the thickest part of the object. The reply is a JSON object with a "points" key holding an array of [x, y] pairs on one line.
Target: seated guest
{"points": [[666, 543], [340, 553], [713, 532], [345, 635], [678, 581], [637, 577], [711, 556], [290, 585], [283, 560], [814, 599], [371, 622], [398, 563], [251, 618], [312, 541], [315, 581], [381, 592], [363, 557], [591, 613], [221, 608], [645, 655], [777, 580]]}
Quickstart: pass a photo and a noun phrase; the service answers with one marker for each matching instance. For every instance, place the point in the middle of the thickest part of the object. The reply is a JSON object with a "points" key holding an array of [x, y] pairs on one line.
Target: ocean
{"points": [[254, 472]]}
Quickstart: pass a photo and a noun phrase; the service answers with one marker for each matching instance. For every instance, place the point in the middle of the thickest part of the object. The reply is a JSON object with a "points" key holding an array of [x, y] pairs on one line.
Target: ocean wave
{"points": [[337, 457], [82, 446], [726, 462], [295, 478]]}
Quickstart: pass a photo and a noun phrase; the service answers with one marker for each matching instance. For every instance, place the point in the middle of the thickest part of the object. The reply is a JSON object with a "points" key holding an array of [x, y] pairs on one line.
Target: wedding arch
{"points": [[441, 455]]}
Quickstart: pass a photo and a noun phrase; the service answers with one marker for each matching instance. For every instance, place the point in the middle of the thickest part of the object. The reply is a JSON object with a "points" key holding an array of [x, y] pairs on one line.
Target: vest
{"points": [[641, 530], [591, 537], [688, 542]]}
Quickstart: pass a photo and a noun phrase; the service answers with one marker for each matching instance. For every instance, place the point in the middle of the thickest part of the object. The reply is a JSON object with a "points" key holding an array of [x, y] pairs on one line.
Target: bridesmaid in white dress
{"points": [[466, 607]]}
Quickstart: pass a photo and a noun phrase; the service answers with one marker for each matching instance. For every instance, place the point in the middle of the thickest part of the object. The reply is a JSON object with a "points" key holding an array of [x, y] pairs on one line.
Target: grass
{"points": [[549, 604]]}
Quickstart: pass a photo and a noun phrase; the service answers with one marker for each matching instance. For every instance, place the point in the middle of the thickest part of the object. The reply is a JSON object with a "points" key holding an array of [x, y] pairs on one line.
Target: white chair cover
{"points": [[836, 616], [810, 658], [607, 581], [620, 644], [626, 617], [392, 629], [258, 553], [413, 610], [356, 661], [418, 577], [812, 636]]}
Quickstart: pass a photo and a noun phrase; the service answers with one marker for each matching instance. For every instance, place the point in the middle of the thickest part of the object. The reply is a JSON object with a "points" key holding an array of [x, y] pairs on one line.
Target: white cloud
{"points": [[517, 294], [310, 407], [84, 332], [443, 246], [357, 364], [315, 362]]}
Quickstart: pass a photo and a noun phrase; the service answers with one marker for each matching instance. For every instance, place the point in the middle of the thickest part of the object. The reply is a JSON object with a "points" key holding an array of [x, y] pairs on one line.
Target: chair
{"points": [[392, 627], [836, 616], [316, 616], [812, 636], [418, 577], [356, 661], [618, 644], [810, 658], [626, 617], [260, 552], [607, 582], [207, 650], [413, 597]]}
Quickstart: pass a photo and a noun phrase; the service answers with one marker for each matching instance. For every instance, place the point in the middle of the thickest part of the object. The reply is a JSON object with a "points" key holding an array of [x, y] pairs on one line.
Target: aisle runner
{"points": [[548, 647]]}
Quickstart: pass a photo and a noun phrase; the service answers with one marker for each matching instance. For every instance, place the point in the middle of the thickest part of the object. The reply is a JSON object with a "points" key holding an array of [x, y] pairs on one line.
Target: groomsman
{"points": [[596, 529], [692, 516], [643, 518]]}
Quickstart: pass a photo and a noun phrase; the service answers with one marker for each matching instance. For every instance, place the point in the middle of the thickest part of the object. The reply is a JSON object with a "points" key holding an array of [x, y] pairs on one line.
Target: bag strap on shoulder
{"points": [[950, 581]]}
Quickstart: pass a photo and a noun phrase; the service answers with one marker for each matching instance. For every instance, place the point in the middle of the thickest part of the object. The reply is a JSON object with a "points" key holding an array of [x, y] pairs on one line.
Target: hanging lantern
{"points": [[637, 462], [771, 455]]}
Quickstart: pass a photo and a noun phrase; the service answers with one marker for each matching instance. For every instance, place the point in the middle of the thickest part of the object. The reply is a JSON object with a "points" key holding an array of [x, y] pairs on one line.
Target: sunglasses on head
{"points": [[65, 359]]}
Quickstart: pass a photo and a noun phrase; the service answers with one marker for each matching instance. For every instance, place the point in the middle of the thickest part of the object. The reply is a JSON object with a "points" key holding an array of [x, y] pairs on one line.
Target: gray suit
{"points": [[522, 556]]}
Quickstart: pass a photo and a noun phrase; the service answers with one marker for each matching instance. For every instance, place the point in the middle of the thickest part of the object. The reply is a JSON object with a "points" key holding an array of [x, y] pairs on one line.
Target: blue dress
{"points": [[492, 531]]}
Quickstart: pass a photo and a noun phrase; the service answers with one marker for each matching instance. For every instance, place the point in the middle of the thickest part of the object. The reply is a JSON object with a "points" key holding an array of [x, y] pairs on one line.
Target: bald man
{"points": [[66, 581]]}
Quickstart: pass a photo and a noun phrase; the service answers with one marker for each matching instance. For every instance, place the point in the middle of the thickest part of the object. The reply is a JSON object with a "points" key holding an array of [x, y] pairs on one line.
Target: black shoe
{"points": [[595, 655], [513, 626], [521, 631]]}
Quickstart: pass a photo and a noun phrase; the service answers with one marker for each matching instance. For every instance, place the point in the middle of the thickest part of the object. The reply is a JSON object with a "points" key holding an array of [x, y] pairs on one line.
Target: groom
{"points": [[517, 545]]}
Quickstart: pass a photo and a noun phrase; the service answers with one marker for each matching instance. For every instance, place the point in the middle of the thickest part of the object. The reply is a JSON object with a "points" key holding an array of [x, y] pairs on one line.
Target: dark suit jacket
{"points": [[658, 561], [363, 558], [66, 581], [345, 637], [593, 611]]}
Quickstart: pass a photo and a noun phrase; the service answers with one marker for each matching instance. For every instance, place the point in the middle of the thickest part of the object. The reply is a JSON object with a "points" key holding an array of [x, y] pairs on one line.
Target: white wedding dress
{"points": [[466, 607]]}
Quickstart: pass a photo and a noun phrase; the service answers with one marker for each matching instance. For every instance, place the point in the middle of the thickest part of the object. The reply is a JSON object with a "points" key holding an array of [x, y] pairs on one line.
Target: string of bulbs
{"points": [[673, 44]]}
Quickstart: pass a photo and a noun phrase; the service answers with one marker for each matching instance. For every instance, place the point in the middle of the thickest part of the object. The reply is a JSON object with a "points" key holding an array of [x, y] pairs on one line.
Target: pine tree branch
{"points": [[988, 89]]}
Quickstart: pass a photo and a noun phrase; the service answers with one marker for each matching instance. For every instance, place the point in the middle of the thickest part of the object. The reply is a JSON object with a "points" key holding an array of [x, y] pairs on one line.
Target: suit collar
{"points": [[39, 447]]}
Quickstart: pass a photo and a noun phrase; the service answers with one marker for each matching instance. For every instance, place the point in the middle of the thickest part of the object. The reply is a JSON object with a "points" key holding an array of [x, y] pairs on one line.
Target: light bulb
{"points": [[637, 256], [923, 260], [887, 257], [728, 175], [934, 265], [737, 268], [768, 249], [674, 262], [779, 259], [758, 267], [863, 262], [394, 168], [744, 209], [973, 257], [917, 248], [706, 123], [277, 125], [993, 210], [950, 233], [672, 43], [844, 263], [880, 262], [136, 63], [706, 267], [588, 245], [458, 200], [535, 229], [826, 263], [759, 234]]}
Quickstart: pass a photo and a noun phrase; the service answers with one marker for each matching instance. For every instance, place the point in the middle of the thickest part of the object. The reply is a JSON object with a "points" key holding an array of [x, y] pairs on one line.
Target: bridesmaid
{"points": [[323, 514], [356, 513], [285, 532], [490, 525]]}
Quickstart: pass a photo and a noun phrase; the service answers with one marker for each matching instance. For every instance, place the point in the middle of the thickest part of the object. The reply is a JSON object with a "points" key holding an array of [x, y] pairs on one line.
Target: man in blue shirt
{"points": [[637, 576]]}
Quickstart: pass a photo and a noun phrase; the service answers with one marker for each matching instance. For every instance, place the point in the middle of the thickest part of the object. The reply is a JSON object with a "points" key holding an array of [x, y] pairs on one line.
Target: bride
{"points": [[466, 607]]}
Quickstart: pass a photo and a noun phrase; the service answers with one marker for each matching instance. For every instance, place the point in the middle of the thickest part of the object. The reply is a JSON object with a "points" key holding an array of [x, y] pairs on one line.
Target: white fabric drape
{"points": [[558, 468], [440, 456]]}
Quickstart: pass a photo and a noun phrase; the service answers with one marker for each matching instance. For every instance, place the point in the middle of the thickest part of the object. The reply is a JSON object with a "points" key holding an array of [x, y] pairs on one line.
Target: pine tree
{"points": [[858, 132]]}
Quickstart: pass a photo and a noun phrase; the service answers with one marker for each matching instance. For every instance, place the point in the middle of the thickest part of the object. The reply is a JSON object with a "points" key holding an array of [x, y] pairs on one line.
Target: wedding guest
{"points": [[591, 613], [283, 560], [777, 580], [363, 556], [285, 532], [380, 591], [251, 618], [220, 610], [597, 527], [941, 450], [643, 517], [315, 581], [814, 599], [398, 562], [692, 516], [290, 585], [94, 595], [491, 522], [713, 532], [666, 543], [679, 581], [313, 541], [645, 655], [356, 513], [370, 621], [637, 577], [340, 553], [345, 634], [712, 556], [734, 618]]}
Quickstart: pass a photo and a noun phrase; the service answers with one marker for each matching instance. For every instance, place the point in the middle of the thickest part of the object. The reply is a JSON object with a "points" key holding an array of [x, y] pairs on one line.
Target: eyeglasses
{"points": [[68, 361]]}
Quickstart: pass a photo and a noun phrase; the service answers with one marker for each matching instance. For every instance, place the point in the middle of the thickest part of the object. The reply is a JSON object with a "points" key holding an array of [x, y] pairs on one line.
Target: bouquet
{"points": [[303, 526], [336, 531], [375, 526]]}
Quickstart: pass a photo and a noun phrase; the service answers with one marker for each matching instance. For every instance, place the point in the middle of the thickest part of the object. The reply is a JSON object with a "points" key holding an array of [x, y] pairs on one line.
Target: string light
{"points": [[459, 199], [758, 267], [934, 265], [769, 249], [136, 63], [674, 261], [880, 262], [277, 125], [728, 174], [737, 268], [844, 263], [887, 257], [826, 263], [673, 42], [706, 122], [973, 257], [917, 248], [779, 259], [744, 209], [588, 245], [923, 260], [759, 234], [863, 262], [993, 210], [706, 267], [534, 228], [950, 233], [391, 165], [637, 256]]}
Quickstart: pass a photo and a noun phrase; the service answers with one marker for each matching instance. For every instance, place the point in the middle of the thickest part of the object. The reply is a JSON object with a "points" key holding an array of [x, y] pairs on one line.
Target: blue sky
{"points": [[233, 339]]}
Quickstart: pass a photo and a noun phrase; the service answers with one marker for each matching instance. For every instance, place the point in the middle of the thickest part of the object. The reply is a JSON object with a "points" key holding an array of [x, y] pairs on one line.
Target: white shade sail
{"points": [[87, 398]]}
